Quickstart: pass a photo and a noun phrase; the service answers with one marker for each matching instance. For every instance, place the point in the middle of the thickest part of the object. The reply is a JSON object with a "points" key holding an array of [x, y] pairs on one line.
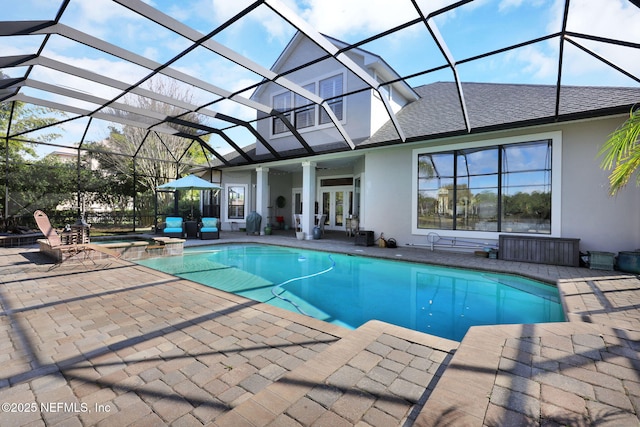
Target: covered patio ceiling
{"points": [[93, 64]]}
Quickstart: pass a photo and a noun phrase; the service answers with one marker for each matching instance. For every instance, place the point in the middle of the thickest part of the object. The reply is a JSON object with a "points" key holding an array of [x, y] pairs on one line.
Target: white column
{"points": [[308, 198], [262, 195]]}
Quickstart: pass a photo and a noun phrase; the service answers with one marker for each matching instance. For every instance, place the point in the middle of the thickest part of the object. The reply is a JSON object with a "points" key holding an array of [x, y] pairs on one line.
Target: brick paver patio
{"points": [[118, 344]]}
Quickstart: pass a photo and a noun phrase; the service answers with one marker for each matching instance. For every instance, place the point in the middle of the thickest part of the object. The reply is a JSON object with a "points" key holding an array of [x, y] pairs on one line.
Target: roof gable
{"points": [[291, 58]]}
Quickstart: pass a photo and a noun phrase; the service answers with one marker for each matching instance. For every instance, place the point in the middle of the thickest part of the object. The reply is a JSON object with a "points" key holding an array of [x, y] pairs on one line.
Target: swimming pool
{"points": [[351, 290]]}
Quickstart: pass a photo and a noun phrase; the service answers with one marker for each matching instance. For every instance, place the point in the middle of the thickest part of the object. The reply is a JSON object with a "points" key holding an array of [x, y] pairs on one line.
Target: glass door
{"points": [[338, 211], [336, 205], [296, 208]]}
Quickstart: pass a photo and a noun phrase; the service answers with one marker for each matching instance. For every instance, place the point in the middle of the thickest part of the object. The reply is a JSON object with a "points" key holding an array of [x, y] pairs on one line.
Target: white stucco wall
{"points": [[601, 222], [243, 178], [387, 193]]}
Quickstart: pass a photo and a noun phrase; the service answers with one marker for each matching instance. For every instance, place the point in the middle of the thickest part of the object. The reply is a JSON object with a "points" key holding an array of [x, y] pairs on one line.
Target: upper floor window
{"points": [[331, 88], [305, 114], [301, 112], [282, 103]]}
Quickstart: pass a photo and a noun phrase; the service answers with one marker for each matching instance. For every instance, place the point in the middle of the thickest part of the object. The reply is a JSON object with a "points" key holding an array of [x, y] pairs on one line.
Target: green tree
{"points": [[104, 185], [23, 118], [155, 157], [158, 156], [622, 153], [16, 175], [49, 182]]}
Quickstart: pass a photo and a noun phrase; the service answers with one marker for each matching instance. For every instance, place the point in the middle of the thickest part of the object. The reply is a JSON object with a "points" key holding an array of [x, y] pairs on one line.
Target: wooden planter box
{"points": [[541, 250]]}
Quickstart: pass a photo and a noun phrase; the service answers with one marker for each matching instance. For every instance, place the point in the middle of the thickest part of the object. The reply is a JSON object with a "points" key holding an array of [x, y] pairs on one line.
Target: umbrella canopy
{"points": [[189, 182]]}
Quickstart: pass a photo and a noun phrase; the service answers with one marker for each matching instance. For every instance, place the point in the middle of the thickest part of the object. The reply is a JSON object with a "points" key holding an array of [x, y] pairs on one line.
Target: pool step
{"points": [[377, 372]]}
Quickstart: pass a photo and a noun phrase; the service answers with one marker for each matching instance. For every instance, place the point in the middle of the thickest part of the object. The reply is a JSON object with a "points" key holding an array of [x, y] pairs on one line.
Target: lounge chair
{"points": [[174, 227], [209, 229], [81, 251]]}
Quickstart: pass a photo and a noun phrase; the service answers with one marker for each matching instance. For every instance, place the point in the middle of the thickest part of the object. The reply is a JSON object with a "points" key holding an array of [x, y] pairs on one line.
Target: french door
{"points": [[336, 205]]}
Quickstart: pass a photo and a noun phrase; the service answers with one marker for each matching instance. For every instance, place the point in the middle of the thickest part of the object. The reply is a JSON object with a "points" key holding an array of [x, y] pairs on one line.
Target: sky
{"points": [[470, 30]]}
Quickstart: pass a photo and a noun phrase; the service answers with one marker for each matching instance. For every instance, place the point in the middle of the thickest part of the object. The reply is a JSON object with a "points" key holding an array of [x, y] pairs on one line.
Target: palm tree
{"points": [[622, 153]]}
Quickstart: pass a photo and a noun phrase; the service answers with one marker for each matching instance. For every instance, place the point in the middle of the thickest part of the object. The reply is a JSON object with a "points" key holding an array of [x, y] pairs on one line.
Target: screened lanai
{"points": [[103, 101]]}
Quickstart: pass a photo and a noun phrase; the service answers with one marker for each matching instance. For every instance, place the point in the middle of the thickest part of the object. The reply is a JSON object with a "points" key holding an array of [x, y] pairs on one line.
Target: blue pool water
{"points": [[350, 290]]}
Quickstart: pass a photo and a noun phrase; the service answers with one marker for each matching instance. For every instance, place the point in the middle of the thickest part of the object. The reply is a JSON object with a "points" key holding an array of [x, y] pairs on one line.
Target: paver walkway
{"points": [[119, 344]]}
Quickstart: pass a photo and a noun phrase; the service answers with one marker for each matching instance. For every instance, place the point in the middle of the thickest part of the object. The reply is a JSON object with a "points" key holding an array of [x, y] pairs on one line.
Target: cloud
{"points": [[340, 18], [507, 4], [616, 19], [337, 18], [613, 19], [355, 20], [536, 63], [225, 9], [97, 17], [514, 4]]}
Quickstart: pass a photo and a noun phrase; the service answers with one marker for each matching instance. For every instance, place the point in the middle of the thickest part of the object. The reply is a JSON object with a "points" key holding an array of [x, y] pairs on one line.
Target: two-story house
{"points": [[335, 180], [410, 163]]}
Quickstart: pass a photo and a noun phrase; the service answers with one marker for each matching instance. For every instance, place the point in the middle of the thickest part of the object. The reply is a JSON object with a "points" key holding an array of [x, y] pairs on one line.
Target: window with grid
{"points": [[330, 89], [282, 103], [305, 114], [236, 201], [505, 188]]}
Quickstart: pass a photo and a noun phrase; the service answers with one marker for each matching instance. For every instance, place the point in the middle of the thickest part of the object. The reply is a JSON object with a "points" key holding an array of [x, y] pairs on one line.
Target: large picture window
{"points": [[503, 188]]}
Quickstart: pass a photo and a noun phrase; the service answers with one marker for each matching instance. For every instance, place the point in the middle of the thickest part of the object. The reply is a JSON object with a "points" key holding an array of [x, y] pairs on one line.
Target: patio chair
{"points": [[321, 219], [80, 251], [174, 227], [209, 229]]}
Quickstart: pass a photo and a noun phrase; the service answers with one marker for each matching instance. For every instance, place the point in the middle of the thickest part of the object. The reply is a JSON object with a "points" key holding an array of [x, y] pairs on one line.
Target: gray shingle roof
{"points": [[492, 106]]}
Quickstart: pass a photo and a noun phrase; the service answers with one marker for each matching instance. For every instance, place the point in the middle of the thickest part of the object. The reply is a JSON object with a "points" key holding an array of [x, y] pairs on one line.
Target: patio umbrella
{"points": [[189, 182]]}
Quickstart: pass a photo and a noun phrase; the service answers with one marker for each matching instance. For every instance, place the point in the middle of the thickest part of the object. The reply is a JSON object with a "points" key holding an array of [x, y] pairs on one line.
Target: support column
{"points": [[262, 195], [308, 198]]}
